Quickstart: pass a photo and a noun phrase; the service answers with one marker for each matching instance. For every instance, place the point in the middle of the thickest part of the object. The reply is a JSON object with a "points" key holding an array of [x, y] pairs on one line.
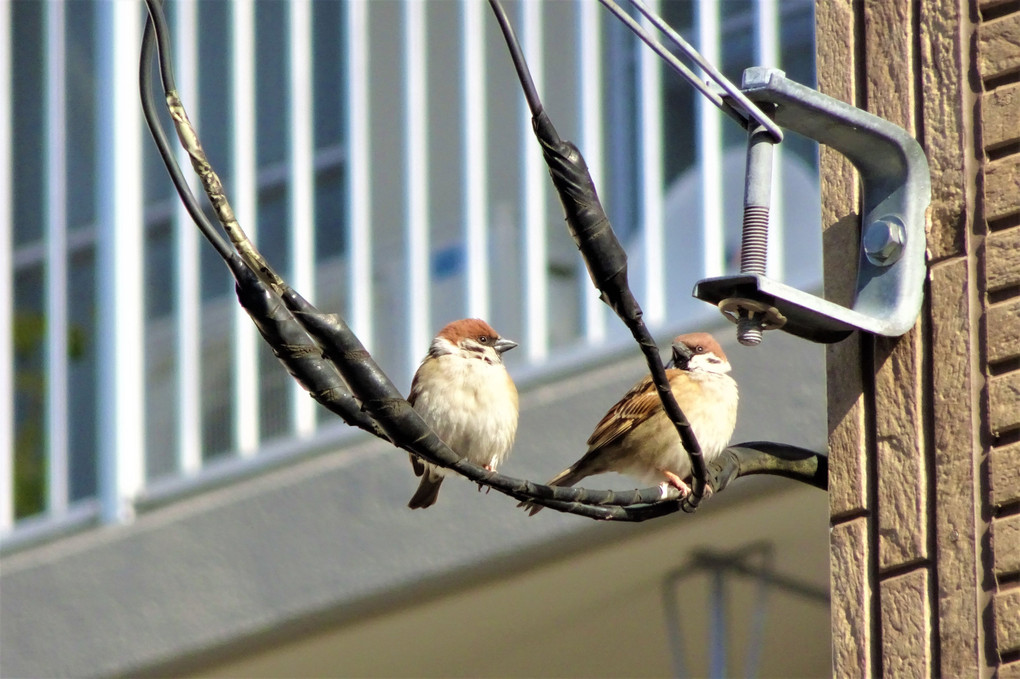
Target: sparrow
{"points": [[464, 392], [637, 438]]}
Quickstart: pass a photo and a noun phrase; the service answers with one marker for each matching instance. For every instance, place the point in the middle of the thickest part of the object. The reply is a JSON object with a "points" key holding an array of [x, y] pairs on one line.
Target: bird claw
{"points": [[686, 504], [677, 483], [488, 468]]}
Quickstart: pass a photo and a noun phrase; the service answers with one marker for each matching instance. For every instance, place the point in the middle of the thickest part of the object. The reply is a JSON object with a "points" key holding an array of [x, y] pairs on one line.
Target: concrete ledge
{"points": [[307, 540]]}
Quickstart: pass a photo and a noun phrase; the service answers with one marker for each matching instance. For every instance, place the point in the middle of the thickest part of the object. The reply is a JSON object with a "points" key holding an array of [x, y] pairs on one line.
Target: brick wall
{"points": [[998, 66], [925, 429]]}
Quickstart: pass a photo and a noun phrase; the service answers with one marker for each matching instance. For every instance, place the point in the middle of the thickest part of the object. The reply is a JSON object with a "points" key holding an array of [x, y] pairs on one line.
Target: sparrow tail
{"points": [[427, 493], [565, 478]]}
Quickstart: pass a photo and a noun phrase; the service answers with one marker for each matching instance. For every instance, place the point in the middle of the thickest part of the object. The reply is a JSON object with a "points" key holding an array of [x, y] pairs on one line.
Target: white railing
{"points": [[447, 212], [57, 468]]}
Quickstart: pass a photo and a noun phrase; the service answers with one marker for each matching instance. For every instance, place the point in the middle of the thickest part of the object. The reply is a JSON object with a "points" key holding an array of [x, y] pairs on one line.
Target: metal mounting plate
{"points": [[896, 188]]}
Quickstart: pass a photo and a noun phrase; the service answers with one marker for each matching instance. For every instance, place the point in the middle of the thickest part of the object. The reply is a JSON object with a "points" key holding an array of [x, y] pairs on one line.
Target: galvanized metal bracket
{"points": [[896, 194]]}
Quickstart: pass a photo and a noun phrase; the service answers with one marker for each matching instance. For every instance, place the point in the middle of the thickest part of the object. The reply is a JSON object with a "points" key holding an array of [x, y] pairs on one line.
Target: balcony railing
{"points": [[382, 157]]}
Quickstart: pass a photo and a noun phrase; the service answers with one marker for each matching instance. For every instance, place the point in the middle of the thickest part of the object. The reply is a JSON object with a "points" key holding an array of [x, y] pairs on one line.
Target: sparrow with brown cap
{"points": [[464, 392], [635, 437]]}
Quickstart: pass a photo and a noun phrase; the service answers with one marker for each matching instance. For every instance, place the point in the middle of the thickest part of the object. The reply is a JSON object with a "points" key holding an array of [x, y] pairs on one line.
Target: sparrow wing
{"points": [[415, 388], [417, 465], [637, 405]]}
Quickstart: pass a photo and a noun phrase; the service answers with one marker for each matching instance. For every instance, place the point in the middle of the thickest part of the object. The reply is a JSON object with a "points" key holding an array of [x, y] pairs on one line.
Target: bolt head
{"points": [[884, 240]]}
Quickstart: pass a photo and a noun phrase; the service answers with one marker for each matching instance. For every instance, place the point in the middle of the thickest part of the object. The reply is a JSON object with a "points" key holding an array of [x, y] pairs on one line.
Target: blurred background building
{"points": [[171, 502]]}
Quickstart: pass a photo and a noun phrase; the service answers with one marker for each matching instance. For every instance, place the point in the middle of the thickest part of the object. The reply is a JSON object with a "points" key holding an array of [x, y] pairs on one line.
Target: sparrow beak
{"points": [[502, 345], [681, 356]]}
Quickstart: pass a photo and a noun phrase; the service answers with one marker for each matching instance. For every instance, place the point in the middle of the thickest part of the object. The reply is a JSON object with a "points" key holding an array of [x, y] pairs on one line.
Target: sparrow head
{"points": [[699, 351], [471, 338]]}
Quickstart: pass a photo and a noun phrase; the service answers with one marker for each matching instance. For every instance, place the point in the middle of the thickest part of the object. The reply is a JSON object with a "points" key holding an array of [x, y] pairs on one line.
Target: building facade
{"points": [[925, 465], [163, 477]]}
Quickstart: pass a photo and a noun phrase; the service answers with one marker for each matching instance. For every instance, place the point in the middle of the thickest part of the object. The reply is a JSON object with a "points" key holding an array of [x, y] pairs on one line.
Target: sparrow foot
{"points": [[676, 482], [488, 468]]}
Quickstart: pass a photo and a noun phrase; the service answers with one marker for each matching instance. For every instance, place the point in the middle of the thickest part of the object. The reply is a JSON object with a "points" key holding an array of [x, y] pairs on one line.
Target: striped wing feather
{"points": [[640, 403]]}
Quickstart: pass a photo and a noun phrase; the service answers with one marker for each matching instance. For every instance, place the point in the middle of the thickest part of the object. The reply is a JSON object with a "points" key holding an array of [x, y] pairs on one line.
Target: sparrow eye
{"points": [[700, 349], [484, 339]]}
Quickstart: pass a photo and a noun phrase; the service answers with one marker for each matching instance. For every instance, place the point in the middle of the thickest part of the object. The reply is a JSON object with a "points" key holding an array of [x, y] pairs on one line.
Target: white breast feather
{"points": [[477, 422]]}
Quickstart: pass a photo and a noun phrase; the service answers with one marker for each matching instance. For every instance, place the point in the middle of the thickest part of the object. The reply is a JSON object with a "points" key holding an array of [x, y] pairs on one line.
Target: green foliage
{"points": [[30, 464]]}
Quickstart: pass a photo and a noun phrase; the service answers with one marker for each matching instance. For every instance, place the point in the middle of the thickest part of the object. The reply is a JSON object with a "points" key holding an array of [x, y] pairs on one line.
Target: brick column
{"points": [[925, 429]]}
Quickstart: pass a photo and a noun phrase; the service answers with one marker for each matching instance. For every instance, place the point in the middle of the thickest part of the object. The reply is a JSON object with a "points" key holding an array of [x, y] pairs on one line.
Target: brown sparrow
{"points": [[464, 392], [637, 438]]}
